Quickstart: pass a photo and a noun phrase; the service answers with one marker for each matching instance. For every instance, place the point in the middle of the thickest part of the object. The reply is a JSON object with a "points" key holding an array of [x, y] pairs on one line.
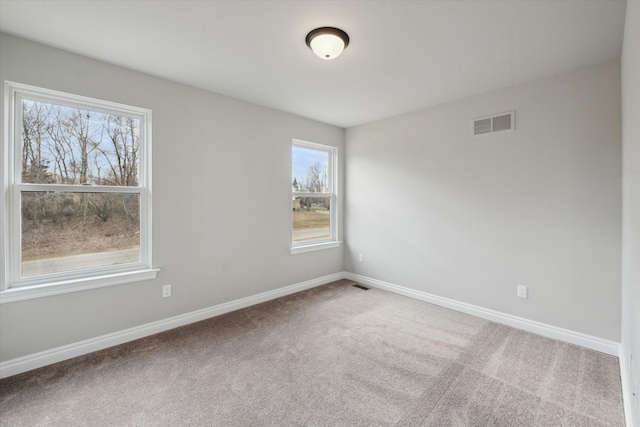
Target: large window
{"points": [[313, 181], [77, 193]]}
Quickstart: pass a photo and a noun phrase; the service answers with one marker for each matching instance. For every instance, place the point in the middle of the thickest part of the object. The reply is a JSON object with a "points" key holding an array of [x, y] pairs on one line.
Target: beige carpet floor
{"points": [[335, 355]]}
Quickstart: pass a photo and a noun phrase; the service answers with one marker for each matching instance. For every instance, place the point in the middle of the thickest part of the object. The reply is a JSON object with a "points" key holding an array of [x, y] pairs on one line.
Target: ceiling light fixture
{"points": [[327, 42]]}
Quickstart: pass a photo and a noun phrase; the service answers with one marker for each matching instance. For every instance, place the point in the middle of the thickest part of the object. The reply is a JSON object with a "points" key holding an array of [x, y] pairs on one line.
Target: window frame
{"points": [[332, 193], [14, 286]]}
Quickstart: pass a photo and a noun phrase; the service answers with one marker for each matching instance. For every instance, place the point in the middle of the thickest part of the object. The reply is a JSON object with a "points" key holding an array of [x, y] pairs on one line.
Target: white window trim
{"points": [[314, 247], [332, 241], [12, 286]]}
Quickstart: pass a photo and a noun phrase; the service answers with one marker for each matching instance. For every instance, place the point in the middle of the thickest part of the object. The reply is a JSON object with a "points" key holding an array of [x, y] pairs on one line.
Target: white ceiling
{"points": [[403, 56]]}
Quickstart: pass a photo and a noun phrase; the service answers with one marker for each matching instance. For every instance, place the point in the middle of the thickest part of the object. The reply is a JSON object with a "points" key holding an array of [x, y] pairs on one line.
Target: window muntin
{"points": [[313, 193], [80, 165]]}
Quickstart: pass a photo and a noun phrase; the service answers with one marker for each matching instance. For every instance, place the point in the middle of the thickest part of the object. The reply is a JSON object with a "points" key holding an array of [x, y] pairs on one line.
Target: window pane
{"points": [[310, 171], [72, 231], [311, 218], [64, 145]]}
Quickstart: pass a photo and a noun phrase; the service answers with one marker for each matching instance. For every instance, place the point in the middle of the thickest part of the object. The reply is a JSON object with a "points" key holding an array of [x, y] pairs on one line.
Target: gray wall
{"points": [[430, 207], [631, 195], [221, 216], [437, 210]]}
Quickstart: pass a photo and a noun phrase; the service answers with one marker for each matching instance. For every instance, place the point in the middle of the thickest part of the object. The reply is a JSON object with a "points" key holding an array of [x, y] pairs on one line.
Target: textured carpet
{"points": [[334, 355]]}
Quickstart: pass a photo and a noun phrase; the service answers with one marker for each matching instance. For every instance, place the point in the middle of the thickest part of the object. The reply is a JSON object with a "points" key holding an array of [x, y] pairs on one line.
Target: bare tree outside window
{"points": [[66, 145]]}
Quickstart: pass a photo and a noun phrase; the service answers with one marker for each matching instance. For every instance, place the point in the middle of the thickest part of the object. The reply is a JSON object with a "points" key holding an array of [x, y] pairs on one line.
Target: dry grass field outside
{"points": [[68, 236], [75, 236], [311, 223], [316, 217]]}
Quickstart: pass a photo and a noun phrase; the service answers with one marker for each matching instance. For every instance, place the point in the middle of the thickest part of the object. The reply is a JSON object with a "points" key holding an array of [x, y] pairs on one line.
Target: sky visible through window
{"points": [[303, 158]]}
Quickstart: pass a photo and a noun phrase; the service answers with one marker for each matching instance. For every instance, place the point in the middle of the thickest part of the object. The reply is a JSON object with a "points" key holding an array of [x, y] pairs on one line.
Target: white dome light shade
{"points": [[327, 42], [327, 46]]}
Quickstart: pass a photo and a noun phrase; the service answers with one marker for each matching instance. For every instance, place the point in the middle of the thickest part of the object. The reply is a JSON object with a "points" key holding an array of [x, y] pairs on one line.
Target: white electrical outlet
{"points": [[522, 291], [166, 291], [360, 257]]}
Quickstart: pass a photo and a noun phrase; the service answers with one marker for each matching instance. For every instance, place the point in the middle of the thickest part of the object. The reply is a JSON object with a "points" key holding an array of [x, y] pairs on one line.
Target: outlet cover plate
{"points": [[166, 291], [522, 291]]}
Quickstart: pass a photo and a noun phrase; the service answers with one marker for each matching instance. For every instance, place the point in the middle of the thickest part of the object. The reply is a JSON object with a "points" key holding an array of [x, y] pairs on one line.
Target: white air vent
{"points": [[496, 123]]}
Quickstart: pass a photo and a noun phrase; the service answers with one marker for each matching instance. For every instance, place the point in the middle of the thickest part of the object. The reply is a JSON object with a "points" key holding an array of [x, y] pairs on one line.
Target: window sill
{"points": [[76, 285], [315, 247]]}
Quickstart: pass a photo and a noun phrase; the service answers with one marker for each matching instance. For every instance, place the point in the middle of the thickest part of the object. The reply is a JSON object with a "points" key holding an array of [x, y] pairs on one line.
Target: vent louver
{"points": [[481, 126], [495, 123]]}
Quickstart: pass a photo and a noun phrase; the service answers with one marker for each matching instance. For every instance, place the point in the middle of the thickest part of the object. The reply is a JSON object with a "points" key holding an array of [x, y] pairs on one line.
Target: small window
{"points": [[78, 182], [314, 202]]}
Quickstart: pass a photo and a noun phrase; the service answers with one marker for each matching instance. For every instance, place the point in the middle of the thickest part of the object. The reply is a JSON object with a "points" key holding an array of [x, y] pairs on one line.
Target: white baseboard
{"points": [[58, 354], [549, 331], [627, 393]]}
